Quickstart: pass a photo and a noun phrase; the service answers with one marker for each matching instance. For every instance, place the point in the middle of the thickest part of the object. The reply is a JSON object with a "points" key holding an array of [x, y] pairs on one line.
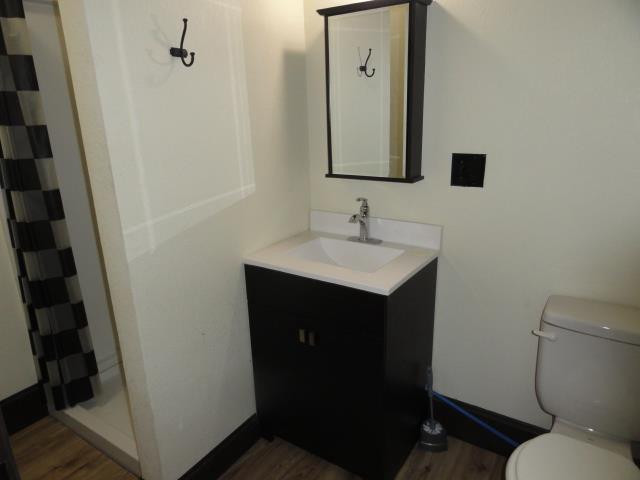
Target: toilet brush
{"points": [[433, 436]]}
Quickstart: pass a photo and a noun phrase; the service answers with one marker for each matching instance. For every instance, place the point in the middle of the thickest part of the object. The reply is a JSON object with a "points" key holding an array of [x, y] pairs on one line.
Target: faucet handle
{"points": [[364, 208]]}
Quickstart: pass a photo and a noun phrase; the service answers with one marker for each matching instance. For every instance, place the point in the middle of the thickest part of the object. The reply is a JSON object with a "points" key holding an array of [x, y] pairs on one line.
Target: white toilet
{"points": [[588, 378]]}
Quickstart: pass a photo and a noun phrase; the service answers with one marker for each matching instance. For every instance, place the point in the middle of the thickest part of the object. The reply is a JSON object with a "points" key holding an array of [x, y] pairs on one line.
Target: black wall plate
{"points": [[467, 169]]}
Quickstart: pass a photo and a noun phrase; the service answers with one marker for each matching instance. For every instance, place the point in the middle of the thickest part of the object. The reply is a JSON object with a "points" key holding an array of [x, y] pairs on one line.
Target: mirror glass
{"points": [[368, 53]]}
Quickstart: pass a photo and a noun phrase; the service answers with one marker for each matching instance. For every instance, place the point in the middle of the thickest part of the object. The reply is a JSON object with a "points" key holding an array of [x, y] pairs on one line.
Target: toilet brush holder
{"points": [[433, 436]]}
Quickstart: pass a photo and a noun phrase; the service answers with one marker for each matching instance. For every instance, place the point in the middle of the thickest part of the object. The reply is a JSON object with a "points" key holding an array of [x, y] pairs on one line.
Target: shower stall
{"points": [[104, 420]]}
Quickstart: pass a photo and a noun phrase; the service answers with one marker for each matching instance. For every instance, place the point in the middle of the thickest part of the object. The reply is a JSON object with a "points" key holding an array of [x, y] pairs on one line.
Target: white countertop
{"points": [[383, 281]]}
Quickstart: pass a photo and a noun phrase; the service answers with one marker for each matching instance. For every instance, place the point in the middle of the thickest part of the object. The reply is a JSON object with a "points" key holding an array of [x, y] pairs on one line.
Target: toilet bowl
{"points": [[587, 378], [555, 456]]}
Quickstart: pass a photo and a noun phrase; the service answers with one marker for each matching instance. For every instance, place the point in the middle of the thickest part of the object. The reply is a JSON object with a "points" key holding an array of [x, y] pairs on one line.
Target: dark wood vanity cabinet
{"points": [[340, 372]]}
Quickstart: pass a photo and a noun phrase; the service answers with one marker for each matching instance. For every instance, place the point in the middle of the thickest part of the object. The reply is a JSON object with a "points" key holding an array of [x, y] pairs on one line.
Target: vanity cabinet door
{"points": [[318, 384], [318, 354], [281, 383], [347, 367]]}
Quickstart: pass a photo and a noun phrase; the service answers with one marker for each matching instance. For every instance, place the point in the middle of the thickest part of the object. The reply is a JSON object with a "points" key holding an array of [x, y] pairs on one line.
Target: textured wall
{"points": [[190, 169]]}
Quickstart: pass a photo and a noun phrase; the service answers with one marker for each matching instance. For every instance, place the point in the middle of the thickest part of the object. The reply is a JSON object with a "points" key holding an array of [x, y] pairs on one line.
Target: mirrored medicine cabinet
{"points": [[375, 69]]}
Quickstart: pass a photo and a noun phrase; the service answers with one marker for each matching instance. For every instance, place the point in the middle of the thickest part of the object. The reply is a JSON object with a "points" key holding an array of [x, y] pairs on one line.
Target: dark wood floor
{"points": [[279, 460], [49, 450]]}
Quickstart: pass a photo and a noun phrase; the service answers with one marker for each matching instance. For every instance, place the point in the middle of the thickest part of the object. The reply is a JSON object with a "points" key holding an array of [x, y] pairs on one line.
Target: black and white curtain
{"points": [[48, 281]]}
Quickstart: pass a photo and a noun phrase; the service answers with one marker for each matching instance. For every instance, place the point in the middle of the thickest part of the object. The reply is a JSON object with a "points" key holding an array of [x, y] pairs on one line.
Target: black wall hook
{"points": [[363, 68], [182, 52]]}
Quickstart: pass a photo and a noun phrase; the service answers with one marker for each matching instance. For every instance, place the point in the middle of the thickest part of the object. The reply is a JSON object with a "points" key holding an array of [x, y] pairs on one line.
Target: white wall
{"points": [[190, 169], [360, 105], [550, 91], [17, 370], [51, 68]]}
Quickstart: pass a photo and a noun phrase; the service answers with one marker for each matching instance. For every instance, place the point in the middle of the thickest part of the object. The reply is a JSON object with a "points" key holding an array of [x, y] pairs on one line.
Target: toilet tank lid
{"points": [[606, 320]]}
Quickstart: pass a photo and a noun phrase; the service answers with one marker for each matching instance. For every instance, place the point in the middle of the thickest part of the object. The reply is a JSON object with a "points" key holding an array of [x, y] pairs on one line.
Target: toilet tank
{"points": [[588, 369]]}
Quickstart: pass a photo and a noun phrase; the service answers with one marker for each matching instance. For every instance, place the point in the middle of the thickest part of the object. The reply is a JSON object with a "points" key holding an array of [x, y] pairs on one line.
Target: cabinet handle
{"points": [[301, 335], [312, 339]]}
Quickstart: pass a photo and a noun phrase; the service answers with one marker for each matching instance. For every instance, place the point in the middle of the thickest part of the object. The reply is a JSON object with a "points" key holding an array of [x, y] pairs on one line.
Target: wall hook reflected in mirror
{"points": [[182, 52], [363, 68]]}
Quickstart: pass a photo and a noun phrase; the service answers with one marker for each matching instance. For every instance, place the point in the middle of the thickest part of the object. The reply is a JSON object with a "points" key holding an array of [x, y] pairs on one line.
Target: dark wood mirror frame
{"points": [[415, 83]]}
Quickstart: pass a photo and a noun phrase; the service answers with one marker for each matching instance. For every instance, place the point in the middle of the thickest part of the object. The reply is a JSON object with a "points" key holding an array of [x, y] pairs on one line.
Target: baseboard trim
{"points": [[24, 408], [459, 426], [218, 461]]}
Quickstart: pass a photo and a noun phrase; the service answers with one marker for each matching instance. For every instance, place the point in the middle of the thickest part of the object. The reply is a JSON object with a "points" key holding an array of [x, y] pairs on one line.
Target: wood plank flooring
{"points": [[280, 460], [49, 450]]}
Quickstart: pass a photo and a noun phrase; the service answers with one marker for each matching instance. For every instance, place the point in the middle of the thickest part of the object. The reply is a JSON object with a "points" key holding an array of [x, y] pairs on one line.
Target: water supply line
{"points": [[482, 423]]}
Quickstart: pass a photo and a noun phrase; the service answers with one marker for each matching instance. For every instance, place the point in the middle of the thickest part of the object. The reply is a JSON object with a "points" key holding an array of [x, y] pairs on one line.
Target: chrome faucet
{"points": [[362, 218]]}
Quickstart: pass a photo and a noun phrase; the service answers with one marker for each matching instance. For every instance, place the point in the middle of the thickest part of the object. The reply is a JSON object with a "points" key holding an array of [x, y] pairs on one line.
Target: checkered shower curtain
{"points": [[47, 276]]}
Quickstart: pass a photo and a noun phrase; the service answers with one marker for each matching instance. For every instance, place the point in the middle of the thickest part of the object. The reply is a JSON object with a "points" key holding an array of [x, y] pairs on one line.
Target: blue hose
{"points": [[483, 424]]}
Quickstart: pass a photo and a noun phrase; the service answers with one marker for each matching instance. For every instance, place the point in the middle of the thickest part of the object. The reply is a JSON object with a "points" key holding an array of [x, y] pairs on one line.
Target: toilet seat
{"points": [[553, 456]]}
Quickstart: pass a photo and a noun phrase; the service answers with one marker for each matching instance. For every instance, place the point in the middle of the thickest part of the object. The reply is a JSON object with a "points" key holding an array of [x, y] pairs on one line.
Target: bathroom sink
{"points": [[344, 253], [325, 252]]}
